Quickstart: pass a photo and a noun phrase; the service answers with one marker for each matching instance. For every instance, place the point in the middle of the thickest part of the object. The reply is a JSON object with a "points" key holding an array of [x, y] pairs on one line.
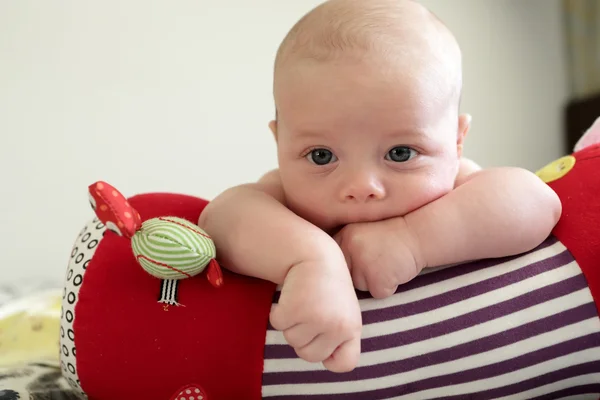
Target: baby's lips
{"points": [[190, 392], [113, 209]]}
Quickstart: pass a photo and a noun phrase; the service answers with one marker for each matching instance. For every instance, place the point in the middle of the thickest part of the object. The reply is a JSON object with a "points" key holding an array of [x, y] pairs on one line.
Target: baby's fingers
{"points": [[319, 349], [280, 319], [300, 335], [359, 280], [383, 291], [381, 288], [345, 358]]}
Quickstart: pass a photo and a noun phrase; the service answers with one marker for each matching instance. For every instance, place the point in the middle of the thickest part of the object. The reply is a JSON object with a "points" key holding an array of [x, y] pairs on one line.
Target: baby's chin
{"points": [[331, 220], [334, 225]]}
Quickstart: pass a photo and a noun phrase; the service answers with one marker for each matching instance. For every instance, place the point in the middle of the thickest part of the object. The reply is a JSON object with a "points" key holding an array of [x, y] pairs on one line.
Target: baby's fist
{"points": [[381, 255], [319, 314]]}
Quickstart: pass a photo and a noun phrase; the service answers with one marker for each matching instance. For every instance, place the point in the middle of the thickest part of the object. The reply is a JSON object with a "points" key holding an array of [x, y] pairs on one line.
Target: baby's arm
{"points": [[491, 213], [256, 235]]}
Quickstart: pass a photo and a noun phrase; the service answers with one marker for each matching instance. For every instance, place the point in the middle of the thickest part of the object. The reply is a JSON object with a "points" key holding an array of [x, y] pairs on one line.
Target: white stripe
{"points": [[560, 385], [479, 360], [469, 387], [490, 272], [460, 308], [163, 293], [463, 280], [489, 328]]}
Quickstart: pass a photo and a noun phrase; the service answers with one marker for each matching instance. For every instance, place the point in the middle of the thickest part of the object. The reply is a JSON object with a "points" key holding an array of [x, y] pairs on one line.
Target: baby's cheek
{"points": [[420, 192]]}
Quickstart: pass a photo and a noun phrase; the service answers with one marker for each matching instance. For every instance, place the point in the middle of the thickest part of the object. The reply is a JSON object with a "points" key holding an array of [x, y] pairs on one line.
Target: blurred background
{"points": [[176, 96]]}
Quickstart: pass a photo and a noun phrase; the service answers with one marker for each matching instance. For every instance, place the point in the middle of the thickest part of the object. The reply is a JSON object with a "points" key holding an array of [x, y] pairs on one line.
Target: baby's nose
{"points": [[363, 189]]}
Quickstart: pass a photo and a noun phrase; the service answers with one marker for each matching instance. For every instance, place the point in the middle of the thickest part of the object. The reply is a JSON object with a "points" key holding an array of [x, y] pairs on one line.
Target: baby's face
{"points": [[356, 146]]}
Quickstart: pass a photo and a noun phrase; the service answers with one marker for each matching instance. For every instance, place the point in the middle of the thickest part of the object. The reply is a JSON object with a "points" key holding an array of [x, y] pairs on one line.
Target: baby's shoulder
{"points": [[271, 177], [271, 184], [466, 168]]}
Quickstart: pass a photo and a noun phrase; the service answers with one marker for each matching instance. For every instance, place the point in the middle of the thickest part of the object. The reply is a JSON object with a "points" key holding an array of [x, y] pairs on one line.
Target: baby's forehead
{"points": [[339, 26], [402, 31], [332, 91]]}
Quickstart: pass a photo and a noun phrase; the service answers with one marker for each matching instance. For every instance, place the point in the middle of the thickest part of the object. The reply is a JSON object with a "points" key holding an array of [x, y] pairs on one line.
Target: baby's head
{"points": [[367, 96]]}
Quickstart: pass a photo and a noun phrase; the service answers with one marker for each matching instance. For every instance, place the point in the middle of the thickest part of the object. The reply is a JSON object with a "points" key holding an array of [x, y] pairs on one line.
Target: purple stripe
{"points": [[457, 352], [533, 383], [450, 273], [445, 327], [561, 394], [486, 372], [465, 292]]}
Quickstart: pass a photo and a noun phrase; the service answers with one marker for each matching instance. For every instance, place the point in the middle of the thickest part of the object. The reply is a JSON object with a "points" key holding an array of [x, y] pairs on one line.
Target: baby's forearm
{"points": [[257, 235], [497, 212]]}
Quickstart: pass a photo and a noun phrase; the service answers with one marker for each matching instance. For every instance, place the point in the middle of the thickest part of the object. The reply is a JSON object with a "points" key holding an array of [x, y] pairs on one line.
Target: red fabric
{"points": [[579, 226], [190, 392], [131, 347], [112, 207], [214, 273]]}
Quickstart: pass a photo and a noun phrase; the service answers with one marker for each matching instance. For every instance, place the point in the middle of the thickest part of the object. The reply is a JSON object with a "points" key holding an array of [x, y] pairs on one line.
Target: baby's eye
{"points": [[321, 157], [400, 154]]}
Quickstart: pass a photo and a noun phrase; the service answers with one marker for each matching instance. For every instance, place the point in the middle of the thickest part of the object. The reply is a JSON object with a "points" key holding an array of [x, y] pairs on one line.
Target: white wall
{"points": [[175, 96]]}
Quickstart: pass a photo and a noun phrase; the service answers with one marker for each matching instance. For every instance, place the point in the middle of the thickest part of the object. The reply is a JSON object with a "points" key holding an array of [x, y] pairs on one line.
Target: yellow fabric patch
{"points": [[556, 169], [30, 329]]}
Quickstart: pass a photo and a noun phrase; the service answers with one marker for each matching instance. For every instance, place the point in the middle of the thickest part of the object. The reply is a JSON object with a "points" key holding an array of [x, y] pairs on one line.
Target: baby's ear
{"points": [[464, 124], [273, 127], [590, 137]]}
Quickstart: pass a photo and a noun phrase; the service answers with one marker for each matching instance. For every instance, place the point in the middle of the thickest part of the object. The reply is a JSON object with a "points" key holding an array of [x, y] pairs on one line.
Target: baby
{"points": [[371, 186]]}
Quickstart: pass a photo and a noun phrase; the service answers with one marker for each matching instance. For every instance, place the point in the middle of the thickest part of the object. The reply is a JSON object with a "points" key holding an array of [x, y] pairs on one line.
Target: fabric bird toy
{"points": [[168, 248]]}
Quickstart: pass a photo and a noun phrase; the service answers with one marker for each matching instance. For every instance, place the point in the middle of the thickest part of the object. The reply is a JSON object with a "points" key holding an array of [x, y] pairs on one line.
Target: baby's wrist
{"points": [[326, 259], [410, 238]]}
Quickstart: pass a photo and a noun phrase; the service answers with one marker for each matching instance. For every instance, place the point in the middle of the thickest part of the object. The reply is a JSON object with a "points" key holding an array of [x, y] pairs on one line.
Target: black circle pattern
{"points": [[71, 381], [90, 236]]}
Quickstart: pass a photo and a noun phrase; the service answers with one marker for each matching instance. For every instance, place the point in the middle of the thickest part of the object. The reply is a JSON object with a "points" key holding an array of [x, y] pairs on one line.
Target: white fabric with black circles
{"points": [[83, 250]]}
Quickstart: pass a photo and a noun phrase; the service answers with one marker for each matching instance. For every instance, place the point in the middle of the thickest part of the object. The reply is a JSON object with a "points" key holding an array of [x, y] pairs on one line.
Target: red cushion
{"points": [[129, 346]]}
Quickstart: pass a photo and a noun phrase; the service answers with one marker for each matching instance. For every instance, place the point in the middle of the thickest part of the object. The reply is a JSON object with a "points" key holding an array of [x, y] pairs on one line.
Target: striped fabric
{"points": [[172, 248], [517, 328]]}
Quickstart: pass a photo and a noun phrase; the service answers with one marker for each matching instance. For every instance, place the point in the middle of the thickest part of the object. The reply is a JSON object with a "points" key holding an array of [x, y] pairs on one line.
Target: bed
{"points": [[29, 329]]}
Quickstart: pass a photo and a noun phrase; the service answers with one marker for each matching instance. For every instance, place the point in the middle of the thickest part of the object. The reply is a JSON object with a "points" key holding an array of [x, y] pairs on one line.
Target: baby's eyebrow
{"points": [[310, 134], [409, 134]]}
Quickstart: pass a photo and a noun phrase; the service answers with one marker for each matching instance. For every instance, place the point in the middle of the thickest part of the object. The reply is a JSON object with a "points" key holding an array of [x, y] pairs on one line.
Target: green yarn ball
{"points": [[172, 248]]}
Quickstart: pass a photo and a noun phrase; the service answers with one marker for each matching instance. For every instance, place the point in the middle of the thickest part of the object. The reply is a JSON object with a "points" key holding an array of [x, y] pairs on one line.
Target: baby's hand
{"points": [[319, 314], [381, 255]]}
